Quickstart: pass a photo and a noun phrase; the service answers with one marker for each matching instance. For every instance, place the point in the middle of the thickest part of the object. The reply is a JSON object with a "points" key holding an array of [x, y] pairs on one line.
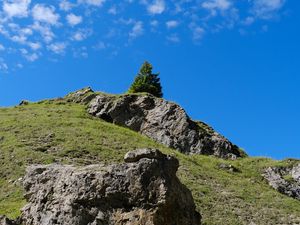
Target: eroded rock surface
{"points": [[84, 96], [144, 191], [164, 122], [285, 180]]}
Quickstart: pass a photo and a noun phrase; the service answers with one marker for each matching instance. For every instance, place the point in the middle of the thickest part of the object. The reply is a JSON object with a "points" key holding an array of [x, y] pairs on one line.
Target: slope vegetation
{"points": [[225, 192]]}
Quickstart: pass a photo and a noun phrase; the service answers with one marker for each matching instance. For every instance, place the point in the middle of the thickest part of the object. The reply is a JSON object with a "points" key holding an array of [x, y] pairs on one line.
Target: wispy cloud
{"points": [[92, 2], [172, 24], [137, 30], [45, 29], [266, 9], [66, 5], [156, 7], [57, 48], [74, 20], [217, 5]]}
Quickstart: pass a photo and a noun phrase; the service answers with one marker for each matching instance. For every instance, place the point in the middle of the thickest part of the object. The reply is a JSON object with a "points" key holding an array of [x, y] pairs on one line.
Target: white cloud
{"points": [[173, 38], [113, 10], [45, 31], [80, 52], [58, 47], [265, 9], [81, 35], [172, 24], [26, 31], [157, 7], [16, 8], [65, 5], [137, 30], [32, 57], [216, 5], [19, 65], [21, 39], [56, 25], [100, 45], [34, 45], [154, 23], [45, 14], [92, 2], [74, 20], [3, 65], [248, 21], [197, 31]]}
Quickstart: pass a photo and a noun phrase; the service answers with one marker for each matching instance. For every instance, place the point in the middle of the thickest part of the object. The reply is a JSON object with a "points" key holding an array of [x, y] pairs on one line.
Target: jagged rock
{"points": [[295, 172], [82, 96], [164, 122], [145, 191], [285, 180]]}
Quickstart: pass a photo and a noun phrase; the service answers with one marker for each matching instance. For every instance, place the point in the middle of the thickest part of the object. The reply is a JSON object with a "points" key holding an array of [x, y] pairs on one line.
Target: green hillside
{"points": [[58, 131]]}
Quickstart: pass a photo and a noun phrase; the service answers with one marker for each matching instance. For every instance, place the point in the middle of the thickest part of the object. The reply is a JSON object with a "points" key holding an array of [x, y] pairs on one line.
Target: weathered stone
{"points": [[164, 122], [285, 180], [82, 96], [135, 156], [143, 192]]}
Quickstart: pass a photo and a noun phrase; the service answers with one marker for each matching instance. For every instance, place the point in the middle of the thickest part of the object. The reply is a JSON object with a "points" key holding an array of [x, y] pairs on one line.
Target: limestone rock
{"points": [[145, 191], [135, 156], [164, 122], [82, 96], [285, 180]]}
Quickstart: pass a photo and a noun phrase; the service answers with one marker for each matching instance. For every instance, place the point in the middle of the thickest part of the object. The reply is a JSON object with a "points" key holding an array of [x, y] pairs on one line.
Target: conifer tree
{"points": [[146, 81]]}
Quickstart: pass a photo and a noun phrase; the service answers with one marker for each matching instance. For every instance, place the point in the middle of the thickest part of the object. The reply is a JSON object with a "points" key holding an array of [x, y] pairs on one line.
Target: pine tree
{"points": [[146, 81]]}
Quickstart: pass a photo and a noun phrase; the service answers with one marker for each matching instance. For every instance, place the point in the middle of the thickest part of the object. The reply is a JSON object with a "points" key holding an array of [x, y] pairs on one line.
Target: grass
{"points": [[57, 131]]}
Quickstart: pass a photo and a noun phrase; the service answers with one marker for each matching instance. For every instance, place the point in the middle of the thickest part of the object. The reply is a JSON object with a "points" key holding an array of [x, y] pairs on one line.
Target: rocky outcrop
{"points": [[286, 180], [143, 191], [82, 96], [164, 122]]}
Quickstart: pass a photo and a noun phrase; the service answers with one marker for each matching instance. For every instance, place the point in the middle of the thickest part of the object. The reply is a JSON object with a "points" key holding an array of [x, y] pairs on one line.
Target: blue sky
{"points": [[231, 63]]}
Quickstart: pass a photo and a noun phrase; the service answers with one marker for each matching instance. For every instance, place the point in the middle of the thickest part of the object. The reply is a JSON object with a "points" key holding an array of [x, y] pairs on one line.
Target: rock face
{"points": [[284, 180], [144, 191], [164, 122], [82, 96]]}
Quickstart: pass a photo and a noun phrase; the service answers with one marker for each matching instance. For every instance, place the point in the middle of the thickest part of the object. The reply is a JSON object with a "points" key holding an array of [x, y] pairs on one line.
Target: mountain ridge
{"points": [[61, 131], [161, 120]]}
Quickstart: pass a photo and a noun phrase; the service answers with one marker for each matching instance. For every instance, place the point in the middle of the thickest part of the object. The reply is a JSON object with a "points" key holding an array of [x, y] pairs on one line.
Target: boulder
{"points": [[164, 122], [144, 191], [284, 179]]}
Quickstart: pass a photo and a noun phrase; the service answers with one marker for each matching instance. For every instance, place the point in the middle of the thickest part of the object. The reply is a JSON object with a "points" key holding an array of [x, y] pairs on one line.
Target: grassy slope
{"points": [[53, 131]]}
